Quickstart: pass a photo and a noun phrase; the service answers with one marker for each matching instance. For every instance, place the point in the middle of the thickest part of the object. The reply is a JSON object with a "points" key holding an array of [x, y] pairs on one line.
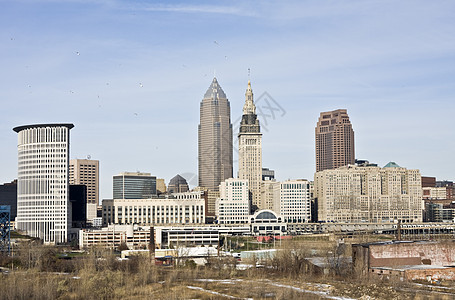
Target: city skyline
{"points": [[130, 77]]}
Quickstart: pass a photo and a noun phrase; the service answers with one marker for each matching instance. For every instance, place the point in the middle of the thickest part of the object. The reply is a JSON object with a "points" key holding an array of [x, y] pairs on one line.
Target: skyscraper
{"points": [[250, 148], [86, 172], [214, 138], [334, 140], [134, 185], [42, 184]]}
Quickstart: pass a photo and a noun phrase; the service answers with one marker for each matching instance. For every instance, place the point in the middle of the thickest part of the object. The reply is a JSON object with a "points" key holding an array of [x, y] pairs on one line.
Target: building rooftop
{"points": [[392, 164], [214, 91], [20, 128], [177, 180]]}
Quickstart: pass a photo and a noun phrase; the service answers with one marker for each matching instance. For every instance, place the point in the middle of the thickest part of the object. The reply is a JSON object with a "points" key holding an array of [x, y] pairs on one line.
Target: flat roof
{"points": [[20, 128], [413, 267]]}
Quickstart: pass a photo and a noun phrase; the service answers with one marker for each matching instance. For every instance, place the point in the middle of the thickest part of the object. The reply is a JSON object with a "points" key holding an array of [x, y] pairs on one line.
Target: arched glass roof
{"points": [[266, 215]]}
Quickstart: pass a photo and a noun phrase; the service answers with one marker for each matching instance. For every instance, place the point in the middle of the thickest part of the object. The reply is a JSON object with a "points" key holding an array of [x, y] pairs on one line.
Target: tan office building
{"points": [[355, 194], [214, 138], [250, 149], [86, 171], [334, 140]]}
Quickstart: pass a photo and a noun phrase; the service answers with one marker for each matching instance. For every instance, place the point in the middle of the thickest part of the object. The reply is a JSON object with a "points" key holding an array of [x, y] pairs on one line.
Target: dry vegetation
{"points": [[40, 272]]}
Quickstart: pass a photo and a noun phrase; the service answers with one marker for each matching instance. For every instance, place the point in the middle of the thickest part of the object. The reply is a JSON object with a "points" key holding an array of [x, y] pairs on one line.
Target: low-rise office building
{"points": [[179, 236], [113, 236], [179, 208]]}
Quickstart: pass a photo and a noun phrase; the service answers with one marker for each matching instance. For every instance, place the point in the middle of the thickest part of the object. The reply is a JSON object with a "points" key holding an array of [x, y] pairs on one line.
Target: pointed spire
{"points": [[214, 91], [249, 107]]}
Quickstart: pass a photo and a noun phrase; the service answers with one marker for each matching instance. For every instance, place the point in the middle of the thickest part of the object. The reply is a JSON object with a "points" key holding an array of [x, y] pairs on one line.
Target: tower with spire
{"points": [[250, 148], [214, 138]]}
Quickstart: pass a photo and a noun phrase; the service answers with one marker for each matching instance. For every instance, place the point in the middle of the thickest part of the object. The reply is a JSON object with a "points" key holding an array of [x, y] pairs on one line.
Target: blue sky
{"points": [[131, 74]]}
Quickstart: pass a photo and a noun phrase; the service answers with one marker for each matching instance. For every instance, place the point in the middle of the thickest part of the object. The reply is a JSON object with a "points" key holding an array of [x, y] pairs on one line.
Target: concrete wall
{"points": [[431, 274]]}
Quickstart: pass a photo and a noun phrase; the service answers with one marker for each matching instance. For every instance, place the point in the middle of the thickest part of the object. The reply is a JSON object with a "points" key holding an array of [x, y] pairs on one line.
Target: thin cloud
{"points": [[208, 9]]}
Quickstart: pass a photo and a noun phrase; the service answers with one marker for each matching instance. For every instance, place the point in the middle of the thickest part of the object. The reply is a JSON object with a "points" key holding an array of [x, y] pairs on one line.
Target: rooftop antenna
{"points": [[214, 73], [249, 71]]}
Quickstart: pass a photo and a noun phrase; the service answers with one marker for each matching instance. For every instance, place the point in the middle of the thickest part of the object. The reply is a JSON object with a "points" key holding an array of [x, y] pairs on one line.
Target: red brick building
{"points": [[423, 260]]}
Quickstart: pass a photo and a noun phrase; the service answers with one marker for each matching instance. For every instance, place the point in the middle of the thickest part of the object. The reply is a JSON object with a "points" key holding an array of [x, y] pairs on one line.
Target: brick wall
{"points": [[389, 255]]}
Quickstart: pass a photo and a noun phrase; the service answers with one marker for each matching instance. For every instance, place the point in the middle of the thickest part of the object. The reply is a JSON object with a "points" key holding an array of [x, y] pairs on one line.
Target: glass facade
{"points": [[134, 186]]}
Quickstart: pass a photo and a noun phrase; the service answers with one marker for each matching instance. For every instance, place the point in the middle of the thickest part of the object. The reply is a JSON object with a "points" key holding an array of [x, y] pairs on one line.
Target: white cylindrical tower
{"points": [[42, 183]]}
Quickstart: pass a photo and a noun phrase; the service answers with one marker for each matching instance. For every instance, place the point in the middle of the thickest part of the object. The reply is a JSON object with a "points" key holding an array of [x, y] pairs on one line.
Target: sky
{"points": [[130, 75]]}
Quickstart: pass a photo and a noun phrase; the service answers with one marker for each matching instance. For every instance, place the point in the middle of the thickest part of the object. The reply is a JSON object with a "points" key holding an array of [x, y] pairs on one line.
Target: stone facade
{"points": [[368, 194], [86, 172], [180, 208], [250, 149], [233, 206], [334, 140]]}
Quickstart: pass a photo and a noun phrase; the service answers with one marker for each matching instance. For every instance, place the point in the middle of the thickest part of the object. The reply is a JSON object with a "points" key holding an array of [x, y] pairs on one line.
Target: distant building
{"points": [[448, 185], [8, 196], [250, 148], [91, 213], [86, 171], [268, 174], [211, 197], [113, 236], [78, 200], [428, 181], [334, 140], [160, 186], [134, 185], [178, 208], [439, 211], [292, 201], [437, 190], [233, 206], [369, 194], [42, 184], [214, 138], [268, 188], [177, 184], [434, 193]]}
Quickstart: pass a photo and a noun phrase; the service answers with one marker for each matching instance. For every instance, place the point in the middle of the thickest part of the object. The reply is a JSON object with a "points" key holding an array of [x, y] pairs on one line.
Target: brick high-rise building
{"points": [[86, 172], [334, 140], [214, 138]]}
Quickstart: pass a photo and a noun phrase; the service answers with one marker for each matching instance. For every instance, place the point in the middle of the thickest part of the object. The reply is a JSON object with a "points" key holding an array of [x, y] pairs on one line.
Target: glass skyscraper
{"points": [[214, 138], [129, 185]]}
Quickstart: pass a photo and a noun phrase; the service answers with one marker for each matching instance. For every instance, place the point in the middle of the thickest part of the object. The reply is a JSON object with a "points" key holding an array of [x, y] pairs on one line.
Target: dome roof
{"points": [[177, 180], [392, 164]]}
